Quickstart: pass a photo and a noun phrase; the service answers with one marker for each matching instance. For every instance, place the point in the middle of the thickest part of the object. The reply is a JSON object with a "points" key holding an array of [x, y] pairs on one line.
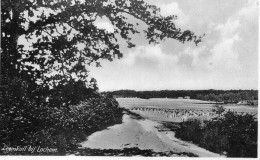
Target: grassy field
{"points": [[168, 103]]}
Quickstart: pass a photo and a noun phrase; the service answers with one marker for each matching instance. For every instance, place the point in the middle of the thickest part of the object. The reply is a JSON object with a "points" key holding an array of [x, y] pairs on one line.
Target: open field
{"points": [[177, 110], [180, 104]]}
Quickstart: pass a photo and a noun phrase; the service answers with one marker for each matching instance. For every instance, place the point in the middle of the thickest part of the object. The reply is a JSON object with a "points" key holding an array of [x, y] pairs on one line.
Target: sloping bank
{"points": [[141, 134], [58, 130]]}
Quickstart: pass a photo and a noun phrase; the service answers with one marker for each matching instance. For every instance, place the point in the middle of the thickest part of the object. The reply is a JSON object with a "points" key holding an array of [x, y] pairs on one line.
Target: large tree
{"points": [[64, 39]]}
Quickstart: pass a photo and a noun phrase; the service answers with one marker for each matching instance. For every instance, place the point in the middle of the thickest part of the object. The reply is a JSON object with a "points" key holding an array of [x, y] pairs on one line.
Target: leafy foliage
{"points": [[218, 109], [57, 28], [190, 130], [230, 97], [229, 133], [28, 123], [40, 82]]}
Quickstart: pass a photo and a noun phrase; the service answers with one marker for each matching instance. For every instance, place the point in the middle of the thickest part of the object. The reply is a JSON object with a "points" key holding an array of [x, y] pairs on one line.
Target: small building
{"points": [[242, 102]]}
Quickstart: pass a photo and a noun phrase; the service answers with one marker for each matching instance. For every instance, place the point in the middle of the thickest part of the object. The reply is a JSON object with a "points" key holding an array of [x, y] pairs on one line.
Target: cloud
{"points": [[148, 54], [104, 23], [196, 55], [251, 8], [226, 59], [219, 60], [174, 9], [233, 46], [229, 28], [226, 53]]}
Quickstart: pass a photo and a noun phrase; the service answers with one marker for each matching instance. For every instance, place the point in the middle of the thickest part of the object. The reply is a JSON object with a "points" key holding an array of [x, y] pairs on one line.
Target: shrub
{"points": [[24, 121], [232, 133], [190, 130]]}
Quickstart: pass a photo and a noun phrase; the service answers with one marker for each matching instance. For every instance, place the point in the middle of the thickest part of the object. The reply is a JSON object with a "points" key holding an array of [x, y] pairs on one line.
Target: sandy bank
{"points": [[141, 133]]}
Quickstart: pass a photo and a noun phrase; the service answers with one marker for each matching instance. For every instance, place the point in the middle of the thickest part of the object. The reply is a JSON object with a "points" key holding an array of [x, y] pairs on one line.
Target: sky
{"points": [[227, 58]]}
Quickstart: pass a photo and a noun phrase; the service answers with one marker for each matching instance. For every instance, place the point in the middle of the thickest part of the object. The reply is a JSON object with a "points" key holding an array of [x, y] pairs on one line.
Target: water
{"points": [[168, 103]]}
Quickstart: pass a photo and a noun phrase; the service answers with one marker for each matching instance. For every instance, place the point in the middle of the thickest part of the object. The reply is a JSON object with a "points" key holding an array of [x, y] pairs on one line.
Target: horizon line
{"points": [[179, 90]]}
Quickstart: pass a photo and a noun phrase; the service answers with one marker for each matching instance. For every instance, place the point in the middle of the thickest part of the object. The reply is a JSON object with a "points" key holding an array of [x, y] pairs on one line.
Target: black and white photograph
{"points": [[129, 78]]}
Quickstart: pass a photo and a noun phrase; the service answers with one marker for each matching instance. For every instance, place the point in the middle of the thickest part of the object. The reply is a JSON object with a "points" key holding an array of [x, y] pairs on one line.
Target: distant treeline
{"points": [[209, 95], [244, 97]]}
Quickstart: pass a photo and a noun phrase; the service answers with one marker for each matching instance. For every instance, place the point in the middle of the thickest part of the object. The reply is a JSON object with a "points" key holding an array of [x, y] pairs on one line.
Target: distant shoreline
{"points": [[208, 102], [244, 97]]}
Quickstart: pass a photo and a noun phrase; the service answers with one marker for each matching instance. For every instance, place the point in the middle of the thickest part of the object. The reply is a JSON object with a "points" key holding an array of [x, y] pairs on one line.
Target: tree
{"points": [[46, 79], [218, 109], [57, 29]]}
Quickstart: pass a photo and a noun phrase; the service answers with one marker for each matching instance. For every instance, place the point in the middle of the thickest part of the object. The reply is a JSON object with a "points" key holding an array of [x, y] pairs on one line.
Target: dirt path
{"points": [[141, 133]]}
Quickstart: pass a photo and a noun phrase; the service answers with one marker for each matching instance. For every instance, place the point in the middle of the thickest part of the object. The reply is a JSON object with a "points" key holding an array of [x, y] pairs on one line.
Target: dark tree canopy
{"points": [[57, 28], [76, 20], [43, 83]]}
